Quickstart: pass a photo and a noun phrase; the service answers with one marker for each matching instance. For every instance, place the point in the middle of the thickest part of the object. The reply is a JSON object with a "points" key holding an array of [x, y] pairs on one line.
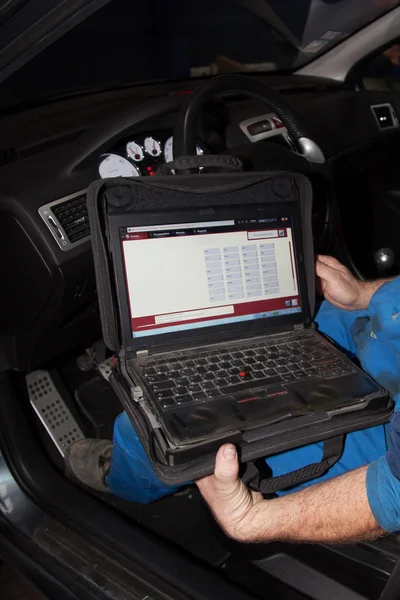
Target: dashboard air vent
{"points": [[67, 219], [73, 217], [385, 116]]}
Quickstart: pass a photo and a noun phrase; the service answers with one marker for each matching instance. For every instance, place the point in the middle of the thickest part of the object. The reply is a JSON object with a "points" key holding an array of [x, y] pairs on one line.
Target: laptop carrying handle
{"points": [[223, 162], [252, 477]]}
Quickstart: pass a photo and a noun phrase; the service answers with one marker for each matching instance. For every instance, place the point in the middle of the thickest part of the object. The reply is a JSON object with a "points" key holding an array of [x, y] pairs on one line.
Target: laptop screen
{"points": [[185, 276]]}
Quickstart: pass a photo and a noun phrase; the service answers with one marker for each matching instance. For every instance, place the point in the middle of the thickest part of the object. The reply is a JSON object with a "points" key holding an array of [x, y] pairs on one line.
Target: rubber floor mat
{"points": [[98, 403], [181, 519]]}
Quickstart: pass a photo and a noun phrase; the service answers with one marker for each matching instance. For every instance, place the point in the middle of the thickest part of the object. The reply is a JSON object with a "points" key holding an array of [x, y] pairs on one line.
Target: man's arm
{"points": [[334, 511]]}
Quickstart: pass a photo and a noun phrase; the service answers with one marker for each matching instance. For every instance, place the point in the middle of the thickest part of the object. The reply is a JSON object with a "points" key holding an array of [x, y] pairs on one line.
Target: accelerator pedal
{"points": [[52, 410]]}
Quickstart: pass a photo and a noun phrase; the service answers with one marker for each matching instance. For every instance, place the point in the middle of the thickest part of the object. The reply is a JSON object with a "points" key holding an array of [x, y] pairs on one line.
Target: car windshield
{"points": [[129, 41]]}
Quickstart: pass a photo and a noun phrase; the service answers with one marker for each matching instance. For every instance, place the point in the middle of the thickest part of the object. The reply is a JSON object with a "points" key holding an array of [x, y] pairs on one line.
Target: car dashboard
{"points": [[132, 156], [52, 152]]}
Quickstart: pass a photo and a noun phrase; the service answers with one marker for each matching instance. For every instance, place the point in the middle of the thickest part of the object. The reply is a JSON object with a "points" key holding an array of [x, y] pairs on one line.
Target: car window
{"points": [[130, 41], [383, 71]]}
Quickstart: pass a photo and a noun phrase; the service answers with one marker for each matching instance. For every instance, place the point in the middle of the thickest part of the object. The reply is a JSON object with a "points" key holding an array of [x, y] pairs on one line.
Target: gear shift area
{"points": [[384, 260]]}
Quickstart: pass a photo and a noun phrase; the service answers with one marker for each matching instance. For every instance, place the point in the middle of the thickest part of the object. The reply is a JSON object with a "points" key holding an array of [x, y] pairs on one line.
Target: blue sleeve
{"points": [[381, 358], [383, 491], [377, 338]]}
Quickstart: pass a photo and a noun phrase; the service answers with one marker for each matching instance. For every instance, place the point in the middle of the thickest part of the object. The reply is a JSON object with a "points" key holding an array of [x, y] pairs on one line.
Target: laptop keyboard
{"points": [[187, 378]]}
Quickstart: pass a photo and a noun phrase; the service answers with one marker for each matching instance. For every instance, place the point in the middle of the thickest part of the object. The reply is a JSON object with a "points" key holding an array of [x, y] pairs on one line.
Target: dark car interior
{"points": [[50, 332]]}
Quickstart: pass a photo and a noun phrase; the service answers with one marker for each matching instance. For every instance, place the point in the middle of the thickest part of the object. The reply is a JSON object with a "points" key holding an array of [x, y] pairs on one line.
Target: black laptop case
{"points": [[120, 196]]}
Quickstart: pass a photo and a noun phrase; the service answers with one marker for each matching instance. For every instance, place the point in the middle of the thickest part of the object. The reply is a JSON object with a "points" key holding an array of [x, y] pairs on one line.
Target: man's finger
{"points": [[225, 479], [327, 258], [330, 261], [226, 465], [323, 270]]}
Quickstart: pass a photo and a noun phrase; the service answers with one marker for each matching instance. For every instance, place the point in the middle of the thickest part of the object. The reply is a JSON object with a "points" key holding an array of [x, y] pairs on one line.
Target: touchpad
{"points": [[331, 393]]}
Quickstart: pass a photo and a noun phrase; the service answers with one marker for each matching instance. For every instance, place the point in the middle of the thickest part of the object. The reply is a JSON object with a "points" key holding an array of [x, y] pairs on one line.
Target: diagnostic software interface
{"points": [[190, 275]]}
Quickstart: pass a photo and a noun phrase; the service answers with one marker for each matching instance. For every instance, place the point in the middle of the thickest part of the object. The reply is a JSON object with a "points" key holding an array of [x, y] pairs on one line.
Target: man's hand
{"points": [[338, 285], [229, 499], [341, 288]]}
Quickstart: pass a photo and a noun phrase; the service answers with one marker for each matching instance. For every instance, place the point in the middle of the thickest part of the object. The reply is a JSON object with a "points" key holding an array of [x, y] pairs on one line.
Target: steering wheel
{"points": [[185, 135]]}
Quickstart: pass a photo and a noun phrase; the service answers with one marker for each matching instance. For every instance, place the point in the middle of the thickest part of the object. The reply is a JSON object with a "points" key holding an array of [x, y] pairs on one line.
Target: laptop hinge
{"points": [[142, 353], [298, 326]]}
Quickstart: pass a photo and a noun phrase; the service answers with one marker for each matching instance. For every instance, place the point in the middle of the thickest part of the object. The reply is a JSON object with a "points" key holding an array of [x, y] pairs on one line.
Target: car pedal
{"points": [[52, 410], [105, 368], [92, 357]]}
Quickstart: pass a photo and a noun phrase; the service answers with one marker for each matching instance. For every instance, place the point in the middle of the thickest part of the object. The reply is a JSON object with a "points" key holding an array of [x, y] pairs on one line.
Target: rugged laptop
{"points": [[214, 315]]}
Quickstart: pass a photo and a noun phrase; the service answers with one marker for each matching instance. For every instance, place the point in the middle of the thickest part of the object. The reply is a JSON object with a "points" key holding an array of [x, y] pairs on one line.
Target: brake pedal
{"points": [[52, 410]]}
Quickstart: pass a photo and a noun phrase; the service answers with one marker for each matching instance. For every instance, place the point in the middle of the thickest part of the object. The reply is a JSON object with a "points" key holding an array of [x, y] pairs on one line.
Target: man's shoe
{"points": [[88, 462]]}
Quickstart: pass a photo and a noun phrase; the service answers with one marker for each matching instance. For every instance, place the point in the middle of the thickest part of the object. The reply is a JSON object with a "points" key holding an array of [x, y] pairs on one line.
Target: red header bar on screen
{"points": [[243, 309]]}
